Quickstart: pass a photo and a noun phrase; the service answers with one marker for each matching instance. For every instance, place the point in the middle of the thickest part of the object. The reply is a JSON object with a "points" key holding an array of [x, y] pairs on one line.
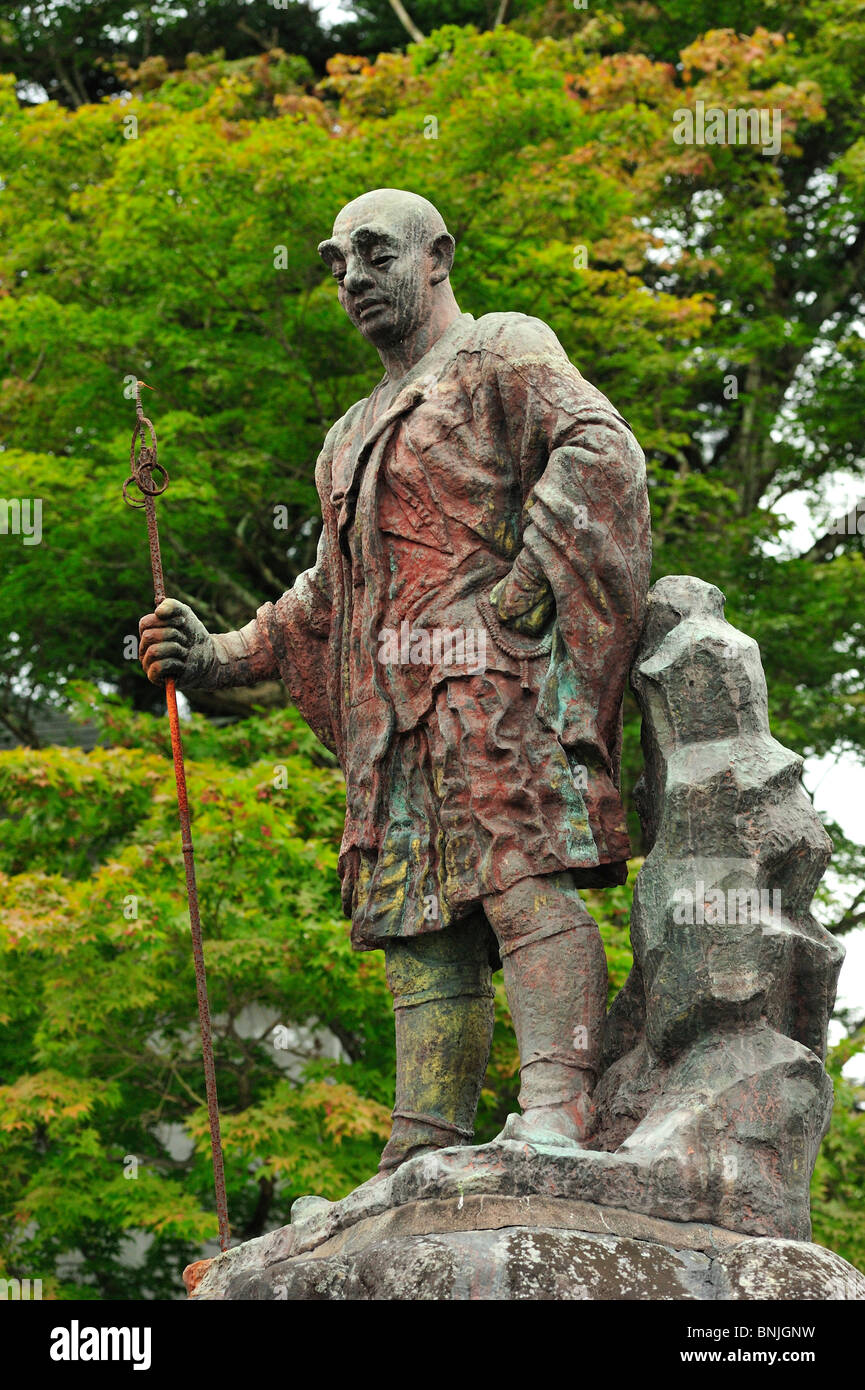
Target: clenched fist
{"points": [[523, 599], [174, 645]]}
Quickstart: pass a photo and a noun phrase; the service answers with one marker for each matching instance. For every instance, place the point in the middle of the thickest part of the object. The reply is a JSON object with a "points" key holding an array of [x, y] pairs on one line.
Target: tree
{"points": [[376, 27], [100, 1053], [70, 48]]}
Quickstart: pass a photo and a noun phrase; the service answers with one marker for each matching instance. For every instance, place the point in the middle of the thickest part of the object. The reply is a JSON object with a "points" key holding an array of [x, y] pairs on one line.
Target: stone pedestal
{"points": [[502, 1221]]}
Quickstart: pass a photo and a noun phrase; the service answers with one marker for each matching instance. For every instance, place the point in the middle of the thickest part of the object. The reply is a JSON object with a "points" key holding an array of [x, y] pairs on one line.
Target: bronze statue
{"points": [[462, 643]]}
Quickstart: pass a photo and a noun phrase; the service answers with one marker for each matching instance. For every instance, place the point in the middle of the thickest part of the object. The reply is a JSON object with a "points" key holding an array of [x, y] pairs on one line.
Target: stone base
{"points": [[504, 1222], [528, 1249]]}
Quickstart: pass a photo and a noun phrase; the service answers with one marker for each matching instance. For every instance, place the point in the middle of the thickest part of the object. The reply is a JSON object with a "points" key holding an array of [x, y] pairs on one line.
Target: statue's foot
{"points": [[566, 1125], [395, 1159], [414, 1135]]}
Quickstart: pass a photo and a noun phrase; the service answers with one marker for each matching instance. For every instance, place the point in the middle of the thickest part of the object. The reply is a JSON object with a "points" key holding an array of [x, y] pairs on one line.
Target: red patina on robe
{"points": [[460, 782]]}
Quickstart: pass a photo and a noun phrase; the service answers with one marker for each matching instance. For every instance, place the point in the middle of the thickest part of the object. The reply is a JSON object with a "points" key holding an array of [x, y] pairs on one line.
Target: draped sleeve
{"points": [[585, 531]]}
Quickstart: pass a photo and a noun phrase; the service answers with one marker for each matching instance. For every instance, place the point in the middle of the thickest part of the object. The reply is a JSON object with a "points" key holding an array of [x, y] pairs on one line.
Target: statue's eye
{"points": [[382, 260], [338, 273]]}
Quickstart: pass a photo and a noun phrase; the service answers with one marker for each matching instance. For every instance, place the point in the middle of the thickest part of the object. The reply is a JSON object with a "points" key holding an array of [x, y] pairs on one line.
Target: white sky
{"points": [[836, 783], [332, 13]]}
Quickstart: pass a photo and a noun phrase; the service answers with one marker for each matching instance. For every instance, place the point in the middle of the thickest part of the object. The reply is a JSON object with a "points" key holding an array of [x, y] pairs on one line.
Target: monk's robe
{"points": [[464, 775]]}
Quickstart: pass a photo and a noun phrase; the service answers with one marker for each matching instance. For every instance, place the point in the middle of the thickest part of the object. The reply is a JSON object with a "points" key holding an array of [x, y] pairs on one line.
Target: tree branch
{"points": [[406, 20], [22, 730], [265, 44]]}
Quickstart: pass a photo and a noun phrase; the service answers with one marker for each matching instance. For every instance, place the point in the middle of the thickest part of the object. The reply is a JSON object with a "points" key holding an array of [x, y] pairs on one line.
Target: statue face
{"points": [[383, 267]]}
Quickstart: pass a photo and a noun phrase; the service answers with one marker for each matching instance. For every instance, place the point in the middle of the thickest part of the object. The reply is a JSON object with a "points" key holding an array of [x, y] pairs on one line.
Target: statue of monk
{"points": [[462, 644]]}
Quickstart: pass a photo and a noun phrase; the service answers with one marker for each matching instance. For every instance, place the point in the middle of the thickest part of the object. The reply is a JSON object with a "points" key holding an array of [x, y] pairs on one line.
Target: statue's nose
{"points": [[357, 276]]}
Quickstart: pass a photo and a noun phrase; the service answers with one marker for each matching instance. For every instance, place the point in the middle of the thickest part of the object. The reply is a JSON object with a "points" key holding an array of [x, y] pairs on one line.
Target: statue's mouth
{"points": [[366, 306]]}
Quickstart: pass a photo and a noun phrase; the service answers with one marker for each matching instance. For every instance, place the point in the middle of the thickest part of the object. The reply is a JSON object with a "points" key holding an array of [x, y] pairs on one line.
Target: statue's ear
{"points": [[442, 252]]}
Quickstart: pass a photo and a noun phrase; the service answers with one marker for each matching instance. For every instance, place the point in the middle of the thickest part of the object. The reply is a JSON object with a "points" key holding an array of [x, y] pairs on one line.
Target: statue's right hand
{"points": [[174, 645]]}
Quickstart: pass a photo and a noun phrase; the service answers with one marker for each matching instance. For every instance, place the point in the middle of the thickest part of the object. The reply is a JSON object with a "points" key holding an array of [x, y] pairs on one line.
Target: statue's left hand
{"points": [[523, 599]]}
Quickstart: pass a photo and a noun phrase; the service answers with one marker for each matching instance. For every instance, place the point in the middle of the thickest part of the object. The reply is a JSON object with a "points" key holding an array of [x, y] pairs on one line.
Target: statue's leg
{"points": [[443, 1010], [556, 980]]}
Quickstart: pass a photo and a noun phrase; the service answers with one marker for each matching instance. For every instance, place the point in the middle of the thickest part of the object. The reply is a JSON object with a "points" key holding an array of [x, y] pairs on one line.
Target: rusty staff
{"points": [[151, 480]]}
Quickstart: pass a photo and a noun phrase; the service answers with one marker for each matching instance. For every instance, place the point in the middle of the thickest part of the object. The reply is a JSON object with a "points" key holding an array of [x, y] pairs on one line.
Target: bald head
{"points": [[391, 255], [394, 207]]}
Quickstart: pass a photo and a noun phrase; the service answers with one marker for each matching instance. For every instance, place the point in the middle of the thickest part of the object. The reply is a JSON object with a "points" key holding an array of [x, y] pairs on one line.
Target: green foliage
{"points": [[838, 1186], [98, 1037]]}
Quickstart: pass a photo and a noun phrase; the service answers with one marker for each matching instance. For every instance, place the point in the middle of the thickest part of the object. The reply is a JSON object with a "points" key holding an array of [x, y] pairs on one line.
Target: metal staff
{"points": [[143, 462]]}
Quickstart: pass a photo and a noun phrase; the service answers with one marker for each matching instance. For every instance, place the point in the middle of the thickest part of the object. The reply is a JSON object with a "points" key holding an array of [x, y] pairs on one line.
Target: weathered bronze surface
{"points": [[462, 643]]}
